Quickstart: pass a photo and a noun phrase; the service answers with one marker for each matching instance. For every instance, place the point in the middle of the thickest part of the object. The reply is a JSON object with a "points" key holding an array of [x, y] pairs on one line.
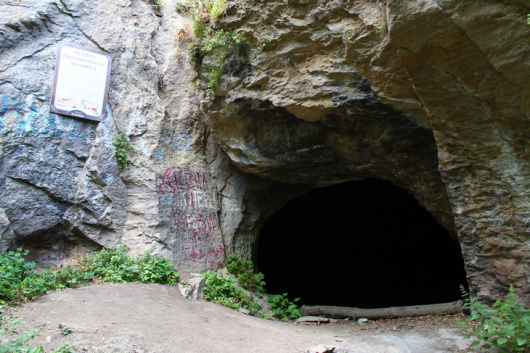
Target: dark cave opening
{"points": [[365, 244]]}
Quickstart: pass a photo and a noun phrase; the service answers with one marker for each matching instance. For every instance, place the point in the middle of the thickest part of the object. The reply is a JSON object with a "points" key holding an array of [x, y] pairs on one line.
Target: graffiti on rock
{"points": [[176, 147], [187, 199], [18, 120]]}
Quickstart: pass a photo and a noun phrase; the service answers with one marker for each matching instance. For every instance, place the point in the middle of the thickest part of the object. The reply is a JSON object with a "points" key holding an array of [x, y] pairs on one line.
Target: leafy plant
{"points": [[505, 325], [19, 281], [244, 271], [219, 44], [283, 308], [216, 9], [348, 34], [264, 41], [65, 330], [382, 27], [115, 265], [13, 342], [122, 144], [64, 348], [221, 289]]}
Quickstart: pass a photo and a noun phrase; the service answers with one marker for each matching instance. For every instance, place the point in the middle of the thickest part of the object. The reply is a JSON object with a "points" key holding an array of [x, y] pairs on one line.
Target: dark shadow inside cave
{"points": [[364, 244]]}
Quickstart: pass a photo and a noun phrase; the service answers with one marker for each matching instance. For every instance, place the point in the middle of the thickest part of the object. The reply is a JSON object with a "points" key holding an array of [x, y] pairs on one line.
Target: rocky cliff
{"points": [[431, 95]]}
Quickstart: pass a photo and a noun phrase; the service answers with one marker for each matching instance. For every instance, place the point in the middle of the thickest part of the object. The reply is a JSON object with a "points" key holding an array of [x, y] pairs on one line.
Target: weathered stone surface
{"points": [[58, 175], [194, 289], [431, 95], [59, 182]]}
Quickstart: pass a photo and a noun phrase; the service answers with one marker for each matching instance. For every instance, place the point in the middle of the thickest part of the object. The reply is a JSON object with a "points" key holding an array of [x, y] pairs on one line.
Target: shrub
{"points": [[116, 265], [284, 309], [222, 289], [18, 279], [20, 282], [216, 9], [505, 325], [244, 271]]}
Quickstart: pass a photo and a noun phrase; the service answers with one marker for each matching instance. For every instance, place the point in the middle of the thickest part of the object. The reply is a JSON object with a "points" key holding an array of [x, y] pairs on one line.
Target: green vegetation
{"points": [[222, 289], [19, 281], [65, 330], [505, 325], [219, 45], [227, 291], [382, 27], [348, 34], [122, 144], [115, 265], [284, 309], [244, 271], [11, 341], [216, 9]]}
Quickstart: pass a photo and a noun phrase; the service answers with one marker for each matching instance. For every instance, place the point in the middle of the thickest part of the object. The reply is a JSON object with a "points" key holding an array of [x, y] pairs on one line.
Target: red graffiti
{"points": [[194, 221], [216, 251], [189, 218], [176, 181], [193, 255]]}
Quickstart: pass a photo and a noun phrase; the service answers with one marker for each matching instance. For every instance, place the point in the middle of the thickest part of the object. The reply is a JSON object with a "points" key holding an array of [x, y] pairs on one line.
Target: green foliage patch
{"points": [[382, 27], [505, 325], [122, 144], [222, 289], [226, 290], [19, 281], [244, 271], [13, 341], [283, 308], [219, 45], [116, 265]]}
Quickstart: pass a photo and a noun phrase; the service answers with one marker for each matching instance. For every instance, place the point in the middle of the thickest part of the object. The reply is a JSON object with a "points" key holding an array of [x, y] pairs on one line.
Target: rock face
{"points": [[430, 95], [61, 188]]}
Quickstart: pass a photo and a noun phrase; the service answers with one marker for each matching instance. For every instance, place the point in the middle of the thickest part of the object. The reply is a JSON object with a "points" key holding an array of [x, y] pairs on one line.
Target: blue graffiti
{"points": [[178, 141], [39, 122], [159, 154]]}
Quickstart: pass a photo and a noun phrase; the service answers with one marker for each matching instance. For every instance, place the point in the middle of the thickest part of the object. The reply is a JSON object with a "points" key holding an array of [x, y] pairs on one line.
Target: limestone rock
{"points": [[60, 182], [430, 95], [194, 289]]}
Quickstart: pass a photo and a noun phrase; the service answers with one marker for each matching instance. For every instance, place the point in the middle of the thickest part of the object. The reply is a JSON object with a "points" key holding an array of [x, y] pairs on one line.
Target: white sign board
{"points": [[81, 83]]}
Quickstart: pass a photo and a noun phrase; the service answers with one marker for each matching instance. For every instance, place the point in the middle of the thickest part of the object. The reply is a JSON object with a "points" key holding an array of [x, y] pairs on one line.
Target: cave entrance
{"points": [[365, 244]]}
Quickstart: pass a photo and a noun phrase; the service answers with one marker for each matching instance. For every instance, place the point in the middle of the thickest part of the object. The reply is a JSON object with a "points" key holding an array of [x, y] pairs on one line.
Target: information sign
{"points": [[81, 84]]}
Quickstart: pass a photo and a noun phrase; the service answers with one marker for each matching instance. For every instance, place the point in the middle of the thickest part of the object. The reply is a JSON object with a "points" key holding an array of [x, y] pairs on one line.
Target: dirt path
{"points": [[134, 318]]}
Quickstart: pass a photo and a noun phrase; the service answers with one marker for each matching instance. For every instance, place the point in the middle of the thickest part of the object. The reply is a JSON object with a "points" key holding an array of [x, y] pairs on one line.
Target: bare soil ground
{"points": [[149, 318]]}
